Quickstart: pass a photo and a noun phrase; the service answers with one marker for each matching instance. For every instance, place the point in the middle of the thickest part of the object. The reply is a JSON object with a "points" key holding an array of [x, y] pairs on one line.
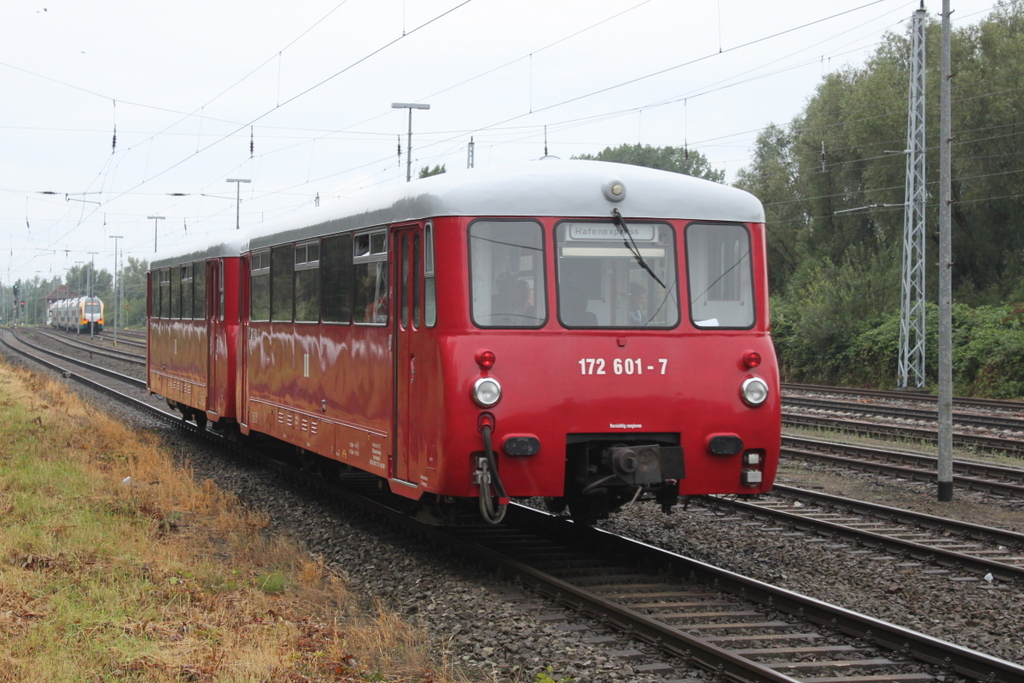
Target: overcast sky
{"points": [[189, 85]]}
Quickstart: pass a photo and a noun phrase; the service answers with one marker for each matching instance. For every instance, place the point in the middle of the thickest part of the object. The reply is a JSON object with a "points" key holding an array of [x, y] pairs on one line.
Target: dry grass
{"points": [[156, 577]]}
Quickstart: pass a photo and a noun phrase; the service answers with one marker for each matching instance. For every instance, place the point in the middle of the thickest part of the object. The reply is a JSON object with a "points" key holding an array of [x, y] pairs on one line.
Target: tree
{"points": [[773, 178], [79, 279], [133, 284], [832, 182], [675, 159], [834, 178], [426, 171]]}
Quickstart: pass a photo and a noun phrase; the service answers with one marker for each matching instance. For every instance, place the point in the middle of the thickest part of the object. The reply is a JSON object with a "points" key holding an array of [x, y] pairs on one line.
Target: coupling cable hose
{"points": [[491, 510]]}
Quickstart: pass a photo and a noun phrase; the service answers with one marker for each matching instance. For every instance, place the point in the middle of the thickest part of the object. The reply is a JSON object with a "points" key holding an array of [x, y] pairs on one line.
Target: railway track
{"points": [[979, 476], [128, 338], [962, 419], [979, 442], [903, 533], [93, 349], [910, 396], [689, 613]]}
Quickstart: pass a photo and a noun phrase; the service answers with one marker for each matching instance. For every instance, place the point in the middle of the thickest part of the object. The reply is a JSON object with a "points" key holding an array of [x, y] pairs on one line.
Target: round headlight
{"points": [[486, 392], [755, 391]]}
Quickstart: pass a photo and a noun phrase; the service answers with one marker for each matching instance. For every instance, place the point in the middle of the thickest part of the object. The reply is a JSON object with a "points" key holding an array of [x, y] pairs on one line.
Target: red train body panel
{"points": [[191, 349], [603, 328]]}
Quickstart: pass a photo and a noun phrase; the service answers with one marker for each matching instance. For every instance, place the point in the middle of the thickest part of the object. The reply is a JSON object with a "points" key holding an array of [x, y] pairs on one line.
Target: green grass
{"points": [[160, 578]]}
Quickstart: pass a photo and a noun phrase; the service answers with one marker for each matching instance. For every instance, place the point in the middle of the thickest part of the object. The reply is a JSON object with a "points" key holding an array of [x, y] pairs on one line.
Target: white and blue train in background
{"points": [[81, 314]]}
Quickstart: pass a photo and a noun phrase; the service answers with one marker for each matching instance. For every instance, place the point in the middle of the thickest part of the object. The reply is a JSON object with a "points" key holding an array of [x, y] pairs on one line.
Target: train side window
{"points": [[307, 282], [370, 269], [507, 273], [186, 292], [175, 293], [720, 276], [259, 286], [429, 296], [336, 279], [282, 283], [165, 293], [199, 290], [154, 294]]}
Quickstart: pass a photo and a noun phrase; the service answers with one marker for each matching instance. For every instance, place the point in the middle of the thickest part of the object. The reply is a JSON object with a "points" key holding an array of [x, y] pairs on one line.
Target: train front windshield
{"points": [[92, 307], [607, 278]]}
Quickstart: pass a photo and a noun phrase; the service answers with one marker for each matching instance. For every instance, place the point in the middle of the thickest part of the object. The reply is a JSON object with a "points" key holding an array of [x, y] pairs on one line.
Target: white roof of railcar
{"points": [[539, 188], [573, 188], [217, 246]]}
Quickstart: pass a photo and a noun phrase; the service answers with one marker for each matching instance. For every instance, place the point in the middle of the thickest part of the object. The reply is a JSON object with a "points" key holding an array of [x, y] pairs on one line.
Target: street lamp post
{"points": [[116, 281], [408, 143], [155, 220], [238, 199]]}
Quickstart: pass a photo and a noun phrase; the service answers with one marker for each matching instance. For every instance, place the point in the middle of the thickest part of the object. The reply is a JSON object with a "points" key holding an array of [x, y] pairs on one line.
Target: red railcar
{"points": [[192, 336], [579, 331]]}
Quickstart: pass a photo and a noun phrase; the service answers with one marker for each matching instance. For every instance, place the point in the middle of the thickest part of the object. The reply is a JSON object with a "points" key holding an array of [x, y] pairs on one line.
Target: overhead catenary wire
{"points": [[284, 191]]}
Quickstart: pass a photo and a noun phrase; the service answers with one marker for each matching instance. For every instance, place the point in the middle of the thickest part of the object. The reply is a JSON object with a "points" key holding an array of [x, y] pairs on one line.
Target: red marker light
{"points": [[751, 359], [485, 359]]}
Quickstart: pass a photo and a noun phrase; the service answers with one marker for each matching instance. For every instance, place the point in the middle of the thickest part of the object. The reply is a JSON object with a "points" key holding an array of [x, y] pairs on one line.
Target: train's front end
{"points": [[91, 314], [623, 352]]}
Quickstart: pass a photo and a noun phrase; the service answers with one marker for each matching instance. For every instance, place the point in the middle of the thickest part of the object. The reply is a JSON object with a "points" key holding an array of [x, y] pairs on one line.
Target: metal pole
{"points": [[155, 220], [117, 280], [238, 199], [945, 459], [92, 267], [912, 312], [408, 144], [408, 151]]}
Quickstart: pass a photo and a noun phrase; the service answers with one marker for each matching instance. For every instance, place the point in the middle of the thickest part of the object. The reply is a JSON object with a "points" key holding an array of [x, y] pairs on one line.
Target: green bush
{"points": [[988, 349]]}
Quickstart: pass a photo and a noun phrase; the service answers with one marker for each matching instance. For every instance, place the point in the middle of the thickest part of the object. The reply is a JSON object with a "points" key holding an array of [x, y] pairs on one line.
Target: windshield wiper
{"points": [[631, 245]]}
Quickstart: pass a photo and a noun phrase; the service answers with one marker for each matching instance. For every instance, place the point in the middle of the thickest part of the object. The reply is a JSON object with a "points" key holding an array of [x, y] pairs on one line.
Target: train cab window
{"points": [[175, 293], [259, 286], [370, 268], [307, 282], [507, 273], [720, 277], [609, 279], [199, 290], [429, 295], [186, 291], [336, 279], [282, 283], [165, 293]]}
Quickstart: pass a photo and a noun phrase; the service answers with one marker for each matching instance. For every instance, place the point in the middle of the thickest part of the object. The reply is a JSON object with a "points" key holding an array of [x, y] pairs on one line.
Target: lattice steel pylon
{"points": [[911, 360]]}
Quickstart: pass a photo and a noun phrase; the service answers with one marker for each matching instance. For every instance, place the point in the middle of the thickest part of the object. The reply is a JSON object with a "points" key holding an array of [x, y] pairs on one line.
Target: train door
{"points": [[242, 383], [405, 264], [215, 384]]}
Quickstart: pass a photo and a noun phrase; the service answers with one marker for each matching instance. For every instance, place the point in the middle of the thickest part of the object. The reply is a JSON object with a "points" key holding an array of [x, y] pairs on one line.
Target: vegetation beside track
{"points": [[988, 346], [116, 565]]}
